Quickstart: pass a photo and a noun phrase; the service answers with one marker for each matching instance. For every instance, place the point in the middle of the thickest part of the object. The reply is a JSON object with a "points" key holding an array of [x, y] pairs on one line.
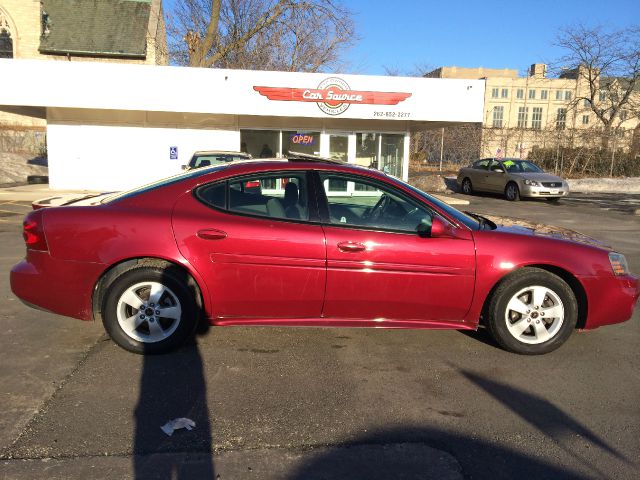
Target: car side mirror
{"points": [[185, 167], [499, 170], [438, 229]]}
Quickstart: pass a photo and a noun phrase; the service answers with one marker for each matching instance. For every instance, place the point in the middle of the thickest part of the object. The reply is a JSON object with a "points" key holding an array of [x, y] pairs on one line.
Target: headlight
{"points": [[618, 263], [532, 183]]}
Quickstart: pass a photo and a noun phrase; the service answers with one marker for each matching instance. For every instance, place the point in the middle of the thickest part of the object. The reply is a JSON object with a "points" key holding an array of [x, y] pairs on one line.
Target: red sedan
{"points": [[312, 243]]}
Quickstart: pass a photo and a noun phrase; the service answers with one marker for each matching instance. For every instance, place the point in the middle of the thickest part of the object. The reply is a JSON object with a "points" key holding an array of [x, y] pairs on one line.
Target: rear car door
{"points": [[252, 241], [379, 268]]}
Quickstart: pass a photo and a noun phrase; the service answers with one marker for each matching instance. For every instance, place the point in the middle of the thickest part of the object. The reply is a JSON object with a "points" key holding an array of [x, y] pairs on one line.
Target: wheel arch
{"points": [[115, 270], [568, 277]]}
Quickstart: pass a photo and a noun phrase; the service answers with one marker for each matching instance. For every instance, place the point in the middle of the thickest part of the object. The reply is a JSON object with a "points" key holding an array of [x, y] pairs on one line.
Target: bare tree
{"points": [[290, 35], [607, 67]]}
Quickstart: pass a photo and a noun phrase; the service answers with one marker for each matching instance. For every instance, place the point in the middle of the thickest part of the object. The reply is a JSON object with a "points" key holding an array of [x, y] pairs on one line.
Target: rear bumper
{"points": [[610, 299], [58, 286]]}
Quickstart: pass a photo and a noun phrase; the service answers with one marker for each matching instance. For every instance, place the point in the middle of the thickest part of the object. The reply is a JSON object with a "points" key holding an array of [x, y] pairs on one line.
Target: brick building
{"points": [[521, 111]]}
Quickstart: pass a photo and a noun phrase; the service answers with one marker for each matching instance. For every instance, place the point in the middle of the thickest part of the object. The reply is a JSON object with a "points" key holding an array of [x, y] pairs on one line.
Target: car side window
{"points": [[275, 196], [495, 166], [481, 165], [367, 204]]}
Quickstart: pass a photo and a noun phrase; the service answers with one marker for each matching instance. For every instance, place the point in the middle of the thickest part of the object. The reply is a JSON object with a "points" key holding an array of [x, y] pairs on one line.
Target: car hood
{"points": [[524, 227], [538, 177]]}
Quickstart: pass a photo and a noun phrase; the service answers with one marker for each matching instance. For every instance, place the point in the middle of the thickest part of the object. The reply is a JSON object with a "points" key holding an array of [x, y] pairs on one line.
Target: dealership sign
{"points": [[333, 95]]}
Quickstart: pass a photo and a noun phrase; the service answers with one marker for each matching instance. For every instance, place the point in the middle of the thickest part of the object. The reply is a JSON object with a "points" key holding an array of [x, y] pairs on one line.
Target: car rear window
{"points": [[161, 183]]}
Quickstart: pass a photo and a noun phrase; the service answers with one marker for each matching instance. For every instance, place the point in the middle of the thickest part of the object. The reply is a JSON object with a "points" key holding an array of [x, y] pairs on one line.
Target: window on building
{"points": [[301, 141], [587, 103], [585, 119], [602, 96], [536, 118], [498, 114], [532, 94], [523, 114], [505, 93], [561, 119], [558, 94], [623, 115], [520, 93], [260, 143], [567, 95], [6, 42], [544, 94], [494, 92]]}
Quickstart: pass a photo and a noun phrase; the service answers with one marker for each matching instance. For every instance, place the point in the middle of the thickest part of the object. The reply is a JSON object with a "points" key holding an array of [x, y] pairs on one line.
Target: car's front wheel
{"points": [[532, 312], [467, 188], [149, 310], [512, 192]]}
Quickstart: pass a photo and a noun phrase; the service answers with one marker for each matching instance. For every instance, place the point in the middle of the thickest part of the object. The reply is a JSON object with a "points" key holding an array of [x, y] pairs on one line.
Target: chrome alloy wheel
{"points": [[534, 315], [148, 312]]}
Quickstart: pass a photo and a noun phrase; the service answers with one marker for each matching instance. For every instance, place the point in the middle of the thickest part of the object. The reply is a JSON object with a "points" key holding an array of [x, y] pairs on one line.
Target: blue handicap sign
{"points": [[173, 153]]}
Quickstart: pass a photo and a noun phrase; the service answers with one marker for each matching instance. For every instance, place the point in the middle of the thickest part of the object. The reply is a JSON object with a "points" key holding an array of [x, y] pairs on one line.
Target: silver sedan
{"points": [[511, 177]]}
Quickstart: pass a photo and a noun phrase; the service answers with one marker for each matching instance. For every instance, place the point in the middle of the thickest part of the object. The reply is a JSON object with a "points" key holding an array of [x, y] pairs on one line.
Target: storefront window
{"points": [[260, 143], [301, 141], [391, 154], [367, 149]]}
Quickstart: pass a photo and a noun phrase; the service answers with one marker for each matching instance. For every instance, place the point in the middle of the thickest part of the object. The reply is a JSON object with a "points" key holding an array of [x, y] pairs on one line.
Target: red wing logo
{"points": [[333, 96]]}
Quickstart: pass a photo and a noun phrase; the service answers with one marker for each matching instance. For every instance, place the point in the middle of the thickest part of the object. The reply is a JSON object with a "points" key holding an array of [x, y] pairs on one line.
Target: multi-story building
{"points": [[125, 31], [522, 112]]}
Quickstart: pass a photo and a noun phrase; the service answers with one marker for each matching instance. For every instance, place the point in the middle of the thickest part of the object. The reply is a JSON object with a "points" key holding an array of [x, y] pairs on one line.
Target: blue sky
{"points": [[400, 34]]}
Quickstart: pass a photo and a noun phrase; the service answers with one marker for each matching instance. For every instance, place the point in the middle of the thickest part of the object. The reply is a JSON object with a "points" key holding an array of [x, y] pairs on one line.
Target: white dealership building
{"points": [[114, 126]]}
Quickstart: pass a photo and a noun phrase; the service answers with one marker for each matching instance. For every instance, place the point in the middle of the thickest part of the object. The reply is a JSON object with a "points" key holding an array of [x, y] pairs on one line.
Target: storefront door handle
{"points": [[212, 234], [351, 247]]}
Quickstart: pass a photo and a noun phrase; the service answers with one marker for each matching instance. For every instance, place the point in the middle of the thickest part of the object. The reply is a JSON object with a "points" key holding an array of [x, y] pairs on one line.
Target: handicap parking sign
{"points": [[173, 153]]}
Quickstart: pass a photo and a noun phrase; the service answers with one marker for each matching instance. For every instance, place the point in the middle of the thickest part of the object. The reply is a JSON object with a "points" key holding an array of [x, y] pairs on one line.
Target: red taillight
{"points": [[33, 232]]}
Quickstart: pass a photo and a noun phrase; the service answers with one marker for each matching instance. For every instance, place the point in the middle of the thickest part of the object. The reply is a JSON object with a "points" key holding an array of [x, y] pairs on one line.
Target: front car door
{"points": [[379, 268], [496, 177], [252, 241]]}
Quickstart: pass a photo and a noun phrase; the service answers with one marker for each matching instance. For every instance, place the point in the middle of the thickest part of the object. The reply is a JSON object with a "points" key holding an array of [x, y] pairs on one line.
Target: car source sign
{"points": [[333, 95]]}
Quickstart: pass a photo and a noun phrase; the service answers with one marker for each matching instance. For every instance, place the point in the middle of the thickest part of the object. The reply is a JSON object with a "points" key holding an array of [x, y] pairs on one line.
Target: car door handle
{"points": [[351, 246], [212, 234]]}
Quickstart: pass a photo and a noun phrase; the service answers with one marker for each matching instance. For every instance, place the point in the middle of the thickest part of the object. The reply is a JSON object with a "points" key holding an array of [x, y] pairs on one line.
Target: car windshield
{"points": [[161, 183], [457, 214], [520, 166]]}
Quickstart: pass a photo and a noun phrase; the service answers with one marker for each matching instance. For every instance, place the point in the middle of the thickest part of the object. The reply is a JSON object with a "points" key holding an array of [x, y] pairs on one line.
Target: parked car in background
{"points": [[208, 158], [304, 242], [514, 178]]}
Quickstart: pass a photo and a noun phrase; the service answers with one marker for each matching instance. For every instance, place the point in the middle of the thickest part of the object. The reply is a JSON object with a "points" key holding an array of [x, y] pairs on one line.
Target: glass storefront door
{"points": [[338, 149]]}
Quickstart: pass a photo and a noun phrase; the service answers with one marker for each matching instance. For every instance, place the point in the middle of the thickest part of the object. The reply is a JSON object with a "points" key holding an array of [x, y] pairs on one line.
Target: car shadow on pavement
{"points": [[173, 386], [543, 415], [408, 453]]}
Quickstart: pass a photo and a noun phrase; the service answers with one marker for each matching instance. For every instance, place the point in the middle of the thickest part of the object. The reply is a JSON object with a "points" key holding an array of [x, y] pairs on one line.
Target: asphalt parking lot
{"points": [[324, 403]]}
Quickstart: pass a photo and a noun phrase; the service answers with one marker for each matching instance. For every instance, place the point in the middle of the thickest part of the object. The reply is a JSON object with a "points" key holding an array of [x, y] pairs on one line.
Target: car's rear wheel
{"points": [[467, 187], [532, 312], [149, 310], [512, 192]]}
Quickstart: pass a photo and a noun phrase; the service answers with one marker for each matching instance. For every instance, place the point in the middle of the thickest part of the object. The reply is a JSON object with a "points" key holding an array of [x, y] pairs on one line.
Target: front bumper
{"points": [[540, 192], [59, 286], [610, 299]]}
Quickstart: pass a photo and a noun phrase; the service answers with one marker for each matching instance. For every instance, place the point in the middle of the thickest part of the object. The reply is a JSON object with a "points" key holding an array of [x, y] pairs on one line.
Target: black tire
{"points": [[553, 200], [467, 187], [501, 321], [176, 294], [512, 192]]}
